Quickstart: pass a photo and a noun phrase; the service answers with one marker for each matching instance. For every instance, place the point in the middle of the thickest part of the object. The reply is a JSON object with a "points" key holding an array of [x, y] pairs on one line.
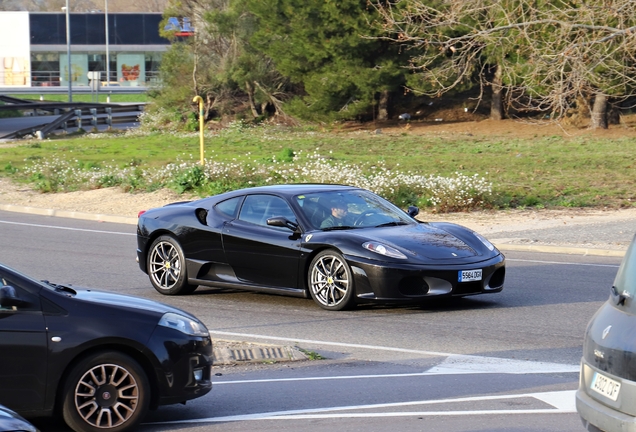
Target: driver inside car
{"points": [[339, 215]]}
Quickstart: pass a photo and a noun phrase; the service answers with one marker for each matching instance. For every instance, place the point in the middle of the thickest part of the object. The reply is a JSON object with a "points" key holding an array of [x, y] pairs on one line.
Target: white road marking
{"points": [[563, 263], [563, 403], [561, 400], [67, 228], [468, 364], [340, 344], [453, 364]]}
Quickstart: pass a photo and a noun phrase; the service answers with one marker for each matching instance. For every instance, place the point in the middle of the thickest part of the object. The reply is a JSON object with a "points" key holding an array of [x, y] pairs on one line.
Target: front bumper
{"points": [[375, 280], [599, 413], [185, 365]]}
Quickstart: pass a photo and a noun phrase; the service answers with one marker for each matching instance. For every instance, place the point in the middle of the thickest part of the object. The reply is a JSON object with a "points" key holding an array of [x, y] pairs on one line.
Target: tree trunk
{"points": [[599, 112], [383, 106], [496, 104], [250, 96]]}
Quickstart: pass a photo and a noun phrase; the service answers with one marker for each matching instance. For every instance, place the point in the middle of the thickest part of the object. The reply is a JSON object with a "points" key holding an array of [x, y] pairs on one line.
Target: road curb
{"points": [[504, 247], [69, 214], [129, 220]]}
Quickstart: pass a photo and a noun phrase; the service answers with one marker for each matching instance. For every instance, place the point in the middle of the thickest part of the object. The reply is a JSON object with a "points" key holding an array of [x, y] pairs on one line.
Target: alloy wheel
{"points": [[329, 280], [165, 265], [106, 396]]}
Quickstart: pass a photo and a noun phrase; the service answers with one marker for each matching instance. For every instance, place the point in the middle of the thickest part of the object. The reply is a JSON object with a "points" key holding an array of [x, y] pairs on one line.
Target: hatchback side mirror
{"points": [[9, 297], [413, 211]]}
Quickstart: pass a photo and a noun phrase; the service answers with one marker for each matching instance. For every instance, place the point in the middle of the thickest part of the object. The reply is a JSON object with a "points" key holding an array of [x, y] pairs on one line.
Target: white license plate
{"points": [[469, 275], [605, 386]]}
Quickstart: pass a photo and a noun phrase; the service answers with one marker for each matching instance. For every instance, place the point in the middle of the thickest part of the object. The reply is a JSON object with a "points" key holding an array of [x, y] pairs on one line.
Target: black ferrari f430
{"points": [[340, 245]]}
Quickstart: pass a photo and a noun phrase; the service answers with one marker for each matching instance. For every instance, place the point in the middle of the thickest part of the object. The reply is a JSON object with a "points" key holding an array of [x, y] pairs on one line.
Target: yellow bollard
{"points": [[199, 99]]}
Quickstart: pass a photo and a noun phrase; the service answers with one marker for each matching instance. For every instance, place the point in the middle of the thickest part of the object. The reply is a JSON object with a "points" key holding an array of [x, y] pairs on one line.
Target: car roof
{"points": [[290, 190]]}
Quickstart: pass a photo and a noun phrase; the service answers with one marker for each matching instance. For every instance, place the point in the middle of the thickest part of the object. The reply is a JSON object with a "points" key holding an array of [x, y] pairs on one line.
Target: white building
{"points": [[33, 48]]}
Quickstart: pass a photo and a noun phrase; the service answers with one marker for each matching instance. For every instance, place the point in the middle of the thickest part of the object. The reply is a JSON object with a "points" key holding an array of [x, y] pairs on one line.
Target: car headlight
{"points": [[383, 249], [486, 243], [183, 324]]}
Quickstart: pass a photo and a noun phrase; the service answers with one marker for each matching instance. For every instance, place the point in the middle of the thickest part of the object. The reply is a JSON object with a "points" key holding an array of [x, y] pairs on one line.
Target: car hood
{"points": [[425, 240], [126, 301]]}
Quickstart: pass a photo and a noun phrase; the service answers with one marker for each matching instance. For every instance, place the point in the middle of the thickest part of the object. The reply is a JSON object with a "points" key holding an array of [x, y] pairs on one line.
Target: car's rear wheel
{"points": [[167, 267], [330, 281], [106, 391]]}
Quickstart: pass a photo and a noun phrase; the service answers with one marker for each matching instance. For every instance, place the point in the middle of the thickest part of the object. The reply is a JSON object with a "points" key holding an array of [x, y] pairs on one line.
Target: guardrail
{"points": [[80, 113], [74, 90]]}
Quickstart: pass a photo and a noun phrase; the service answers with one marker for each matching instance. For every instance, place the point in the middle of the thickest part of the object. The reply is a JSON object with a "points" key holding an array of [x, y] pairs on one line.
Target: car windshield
{"points": [[625, 282], [349, 210]]}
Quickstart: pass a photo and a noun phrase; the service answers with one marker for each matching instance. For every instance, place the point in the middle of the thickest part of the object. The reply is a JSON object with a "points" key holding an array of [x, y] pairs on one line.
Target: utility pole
{"points": [[68, 53], [107, 50]]}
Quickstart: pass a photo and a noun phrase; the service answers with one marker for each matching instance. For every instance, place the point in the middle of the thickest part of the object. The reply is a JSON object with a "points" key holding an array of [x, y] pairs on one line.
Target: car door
{"points": [[259, 253], [23, 348]]}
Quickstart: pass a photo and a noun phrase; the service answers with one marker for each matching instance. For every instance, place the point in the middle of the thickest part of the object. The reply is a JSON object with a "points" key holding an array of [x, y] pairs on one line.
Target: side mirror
{"points": [[9, 297], [413, 211], [280, 221]]}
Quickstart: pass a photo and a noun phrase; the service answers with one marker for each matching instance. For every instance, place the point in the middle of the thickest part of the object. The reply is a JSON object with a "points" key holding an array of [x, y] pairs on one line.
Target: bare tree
{"points": [[548, 54], [225, 69]]}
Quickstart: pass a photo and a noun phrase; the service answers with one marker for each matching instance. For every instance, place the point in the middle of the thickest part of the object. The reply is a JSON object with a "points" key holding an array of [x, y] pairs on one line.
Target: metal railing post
{"points": [[94, 116], [78, 121]]}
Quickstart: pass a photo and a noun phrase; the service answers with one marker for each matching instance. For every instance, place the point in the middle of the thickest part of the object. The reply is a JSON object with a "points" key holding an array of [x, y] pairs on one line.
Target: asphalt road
{"points": [[506, 361]]}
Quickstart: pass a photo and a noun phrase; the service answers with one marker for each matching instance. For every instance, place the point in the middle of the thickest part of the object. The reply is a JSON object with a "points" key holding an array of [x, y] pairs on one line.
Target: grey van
{"points": [[606, 398]]}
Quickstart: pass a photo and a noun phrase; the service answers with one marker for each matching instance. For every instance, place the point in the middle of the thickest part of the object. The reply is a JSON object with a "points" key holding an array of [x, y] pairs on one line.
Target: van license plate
{"points": [[605, 386], [469, 275]]}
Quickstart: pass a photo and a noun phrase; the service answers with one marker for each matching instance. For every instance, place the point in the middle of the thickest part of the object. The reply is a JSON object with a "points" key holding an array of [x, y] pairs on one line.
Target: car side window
{"points": [[229, 207], [258, 208]]}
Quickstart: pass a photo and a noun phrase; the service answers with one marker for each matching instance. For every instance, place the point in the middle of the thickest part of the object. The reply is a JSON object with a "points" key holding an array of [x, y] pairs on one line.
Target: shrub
{"points": [[443, 194]]}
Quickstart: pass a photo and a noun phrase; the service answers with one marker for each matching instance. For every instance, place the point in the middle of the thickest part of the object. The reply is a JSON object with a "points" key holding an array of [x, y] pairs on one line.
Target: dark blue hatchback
{"points": [[102, 359]]}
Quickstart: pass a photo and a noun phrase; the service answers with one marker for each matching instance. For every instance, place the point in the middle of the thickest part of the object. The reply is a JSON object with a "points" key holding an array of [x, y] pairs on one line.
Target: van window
{"points": [[626, 276]]}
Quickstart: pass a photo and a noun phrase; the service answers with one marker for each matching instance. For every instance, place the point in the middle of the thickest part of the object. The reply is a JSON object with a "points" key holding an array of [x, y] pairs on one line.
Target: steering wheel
{"points": [[363, 216]]}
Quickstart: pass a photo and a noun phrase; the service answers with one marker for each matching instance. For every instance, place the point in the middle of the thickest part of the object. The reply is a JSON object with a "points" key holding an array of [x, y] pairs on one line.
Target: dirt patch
{"points": [[479, 126], [110, 201]]}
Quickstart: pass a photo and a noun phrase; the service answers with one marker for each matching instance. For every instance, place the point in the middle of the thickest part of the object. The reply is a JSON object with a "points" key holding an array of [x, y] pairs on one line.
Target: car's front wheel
{"points": [[331, 281], [167, 267], [106, 391]]}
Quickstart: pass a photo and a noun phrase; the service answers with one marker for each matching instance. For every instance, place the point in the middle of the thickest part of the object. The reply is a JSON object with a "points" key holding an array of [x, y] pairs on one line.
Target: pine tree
{"points": [[327, 47]]}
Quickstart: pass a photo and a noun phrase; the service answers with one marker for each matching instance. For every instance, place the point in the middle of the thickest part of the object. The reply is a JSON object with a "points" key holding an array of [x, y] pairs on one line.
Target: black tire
{"points": [[167, 267], [330, 281], [106, 391]]}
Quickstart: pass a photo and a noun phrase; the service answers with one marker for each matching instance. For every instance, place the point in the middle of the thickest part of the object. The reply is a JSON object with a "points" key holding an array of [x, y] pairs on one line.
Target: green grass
{"points": [[311, 355], [534, 172]]}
